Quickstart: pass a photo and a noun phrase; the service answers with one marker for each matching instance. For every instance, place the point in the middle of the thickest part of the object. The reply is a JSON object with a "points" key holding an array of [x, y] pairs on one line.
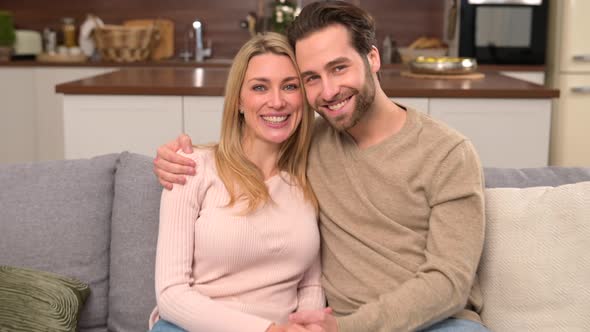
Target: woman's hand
{"points": [[287, 328]]}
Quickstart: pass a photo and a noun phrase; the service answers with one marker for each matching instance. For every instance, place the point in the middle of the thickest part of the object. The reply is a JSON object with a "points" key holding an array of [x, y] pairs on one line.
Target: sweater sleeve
{"points": [[310, 294], [442, 284], [178, 302]]}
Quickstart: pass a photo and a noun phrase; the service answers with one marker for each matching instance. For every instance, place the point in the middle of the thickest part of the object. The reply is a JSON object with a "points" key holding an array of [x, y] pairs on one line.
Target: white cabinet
{"points": [[505, 132], [31, 121], [570, 72], [95, 125], [17, 115], [570, 144], [575, 44], [49, 105], [419, 104], [202, 118]]}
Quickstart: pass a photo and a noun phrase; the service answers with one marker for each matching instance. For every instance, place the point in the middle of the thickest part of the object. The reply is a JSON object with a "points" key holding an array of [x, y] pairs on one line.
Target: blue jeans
{"points": [[164, 326], [456, 325]]}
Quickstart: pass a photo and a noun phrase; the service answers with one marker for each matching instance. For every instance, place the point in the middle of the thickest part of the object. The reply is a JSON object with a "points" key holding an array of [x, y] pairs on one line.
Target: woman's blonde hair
{"points": [[241, 177]]}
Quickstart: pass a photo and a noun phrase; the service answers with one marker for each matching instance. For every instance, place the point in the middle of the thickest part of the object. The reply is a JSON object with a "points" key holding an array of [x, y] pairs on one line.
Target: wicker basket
{"points": [[125, 43]]}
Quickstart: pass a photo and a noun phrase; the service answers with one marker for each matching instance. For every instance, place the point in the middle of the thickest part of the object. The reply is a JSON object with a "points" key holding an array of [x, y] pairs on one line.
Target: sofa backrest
{"points": [[534, 177], [97, 220], [55, 216], [134, 232]]}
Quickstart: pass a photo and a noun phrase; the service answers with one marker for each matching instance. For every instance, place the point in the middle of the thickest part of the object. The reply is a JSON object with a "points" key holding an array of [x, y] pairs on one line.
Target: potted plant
{"points": [[6, 35]]}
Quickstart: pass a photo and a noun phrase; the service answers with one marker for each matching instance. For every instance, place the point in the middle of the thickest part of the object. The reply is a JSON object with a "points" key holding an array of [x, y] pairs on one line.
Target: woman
{"points": [[238, 244]]}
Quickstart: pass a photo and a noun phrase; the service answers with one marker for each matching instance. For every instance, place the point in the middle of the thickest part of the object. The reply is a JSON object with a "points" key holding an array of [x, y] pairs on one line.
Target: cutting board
{"points": [[164, 45], [469, 76]]}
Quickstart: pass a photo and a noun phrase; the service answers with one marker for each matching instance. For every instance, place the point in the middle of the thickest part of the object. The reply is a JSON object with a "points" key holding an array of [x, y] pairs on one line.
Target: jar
{"points": [[69, 32]]}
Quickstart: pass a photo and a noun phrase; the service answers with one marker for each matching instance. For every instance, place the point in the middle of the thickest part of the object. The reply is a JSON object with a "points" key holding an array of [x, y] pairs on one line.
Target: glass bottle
{"points": [[69, 32]]}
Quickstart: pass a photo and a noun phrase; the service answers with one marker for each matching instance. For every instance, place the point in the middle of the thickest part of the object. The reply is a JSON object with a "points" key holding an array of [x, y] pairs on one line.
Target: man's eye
{"points": [[339, 68], [310, 79]]}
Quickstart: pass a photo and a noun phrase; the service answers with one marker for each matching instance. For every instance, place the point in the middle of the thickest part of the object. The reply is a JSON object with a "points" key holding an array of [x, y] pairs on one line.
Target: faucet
{"points": [[200, 52]]}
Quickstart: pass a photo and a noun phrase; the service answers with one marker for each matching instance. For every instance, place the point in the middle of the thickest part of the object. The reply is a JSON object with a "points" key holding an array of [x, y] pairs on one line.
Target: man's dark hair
{"points": [[318, 15]]}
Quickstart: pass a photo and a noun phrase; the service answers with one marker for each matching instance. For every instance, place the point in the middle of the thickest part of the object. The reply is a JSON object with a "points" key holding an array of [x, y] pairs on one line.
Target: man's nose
{"points": [[329, 89]]}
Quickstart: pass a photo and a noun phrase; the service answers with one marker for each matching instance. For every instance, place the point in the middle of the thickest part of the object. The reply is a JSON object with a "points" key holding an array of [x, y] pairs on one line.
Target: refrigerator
{"points": [[568, 69]]}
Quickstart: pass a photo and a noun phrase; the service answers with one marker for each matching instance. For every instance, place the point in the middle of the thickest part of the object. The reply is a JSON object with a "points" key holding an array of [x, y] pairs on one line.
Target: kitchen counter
{"points": [[221, 62], [136, 109], [210, 81]]}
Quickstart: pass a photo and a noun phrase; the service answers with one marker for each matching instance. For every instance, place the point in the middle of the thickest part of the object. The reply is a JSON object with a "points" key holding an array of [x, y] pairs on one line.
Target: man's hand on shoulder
{"points": [[316, 320], [169, 166]]}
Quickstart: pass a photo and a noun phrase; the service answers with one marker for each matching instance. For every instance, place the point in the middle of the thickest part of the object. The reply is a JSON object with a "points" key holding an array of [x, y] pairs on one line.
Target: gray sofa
{"points": [[97, 219]]}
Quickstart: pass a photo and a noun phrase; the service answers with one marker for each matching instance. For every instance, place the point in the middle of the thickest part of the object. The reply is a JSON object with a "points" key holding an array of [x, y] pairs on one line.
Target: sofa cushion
{"points": [[133, 243], [34, 300], [534, 177], [56, 217], [535, 267]]}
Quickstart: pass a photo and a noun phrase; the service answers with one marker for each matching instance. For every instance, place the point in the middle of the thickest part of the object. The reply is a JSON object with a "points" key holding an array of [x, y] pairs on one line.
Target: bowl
{"points": [[408, 54], [443, 65]]}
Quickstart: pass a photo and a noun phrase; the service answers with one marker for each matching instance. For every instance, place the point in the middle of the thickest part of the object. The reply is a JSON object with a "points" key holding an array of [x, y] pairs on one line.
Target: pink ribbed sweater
{"points": [[219, 271]]}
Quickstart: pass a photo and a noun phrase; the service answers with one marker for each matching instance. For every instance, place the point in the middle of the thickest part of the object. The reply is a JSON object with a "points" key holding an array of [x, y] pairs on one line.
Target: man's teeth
{"points": [[275, 119], [337, 106]]}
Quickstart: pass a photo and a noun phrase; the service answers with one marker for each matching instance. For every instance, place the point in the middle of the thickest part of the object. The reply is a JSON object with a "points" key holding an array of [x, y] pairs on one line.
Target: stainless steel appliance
{"points": [[503, 31]]}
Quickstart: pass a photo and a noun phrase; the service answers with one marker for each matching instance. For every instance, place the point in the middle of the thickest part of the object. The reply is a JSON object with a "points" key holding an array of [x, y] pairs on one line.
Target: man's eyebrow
{"points": [[307, 73], [337, 61], [332, 63]]}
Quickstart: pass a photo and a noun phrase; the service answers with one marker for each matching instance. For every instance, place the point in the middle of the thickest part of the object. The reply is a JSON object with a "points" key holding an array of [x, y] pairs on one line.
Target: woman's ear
{"points": [[374, 59]]}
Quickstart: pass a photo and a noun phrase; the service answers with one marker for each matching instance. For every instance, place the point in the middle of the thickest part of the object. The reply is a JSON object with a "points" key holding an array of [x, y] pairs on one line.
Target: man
{"points": [[401, 195]]}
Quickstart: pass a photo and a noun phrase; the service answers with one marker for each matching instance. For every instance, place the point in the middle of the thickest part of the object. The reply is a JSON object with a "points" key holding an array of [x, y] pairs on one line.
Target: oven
{"points": [[503, 31]]}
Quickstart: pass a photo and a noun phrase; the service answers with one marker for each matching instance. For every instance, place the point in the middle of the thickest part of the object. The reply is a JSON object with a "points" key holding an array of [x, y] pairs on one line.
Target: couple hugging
{"points": [[369, 218]]}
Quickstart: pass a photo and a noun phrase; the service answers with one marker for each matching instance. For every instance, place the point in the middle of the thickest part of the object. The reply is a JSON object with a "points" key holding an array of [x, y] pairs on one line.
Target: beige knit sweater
{"points": [[402, 226]]}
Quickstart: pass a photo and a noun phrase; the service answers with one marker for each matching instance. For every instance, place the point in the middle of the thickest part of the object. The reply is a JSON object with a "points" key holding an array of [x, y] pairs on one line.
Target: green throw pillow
{"points": [[39, 301]]}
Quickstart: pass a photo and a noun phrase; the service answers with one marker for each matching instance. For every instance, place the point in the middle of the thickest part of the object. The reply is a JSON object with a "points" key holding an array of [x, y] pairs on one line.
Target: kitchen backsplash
{"points": [[403, 20]]}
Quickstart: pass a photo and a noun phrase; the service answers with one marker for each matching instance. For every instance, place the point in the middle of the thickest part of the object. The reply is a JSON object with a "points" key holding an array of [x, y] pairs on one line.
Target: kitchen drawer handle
{"points": [[582, 57], [581, 89]]}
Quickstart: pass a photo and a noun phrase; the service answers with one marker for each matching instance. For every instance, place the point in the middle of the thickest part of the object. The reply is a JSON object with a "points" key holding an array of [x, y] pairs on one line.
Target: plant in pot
{"points": [[6, 35]]}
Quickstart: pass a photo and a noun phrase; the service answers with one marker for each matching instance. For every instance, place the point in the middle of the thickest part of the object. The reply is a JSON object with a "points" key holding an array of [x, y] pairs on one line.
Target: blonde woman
{"points": [[238, 245]]}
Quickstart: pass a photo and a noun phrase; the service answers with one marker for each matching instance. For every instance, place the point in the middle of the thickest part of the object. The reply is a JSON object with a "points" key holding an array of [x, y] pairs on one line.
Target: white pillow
{"points": [[535, 268]]}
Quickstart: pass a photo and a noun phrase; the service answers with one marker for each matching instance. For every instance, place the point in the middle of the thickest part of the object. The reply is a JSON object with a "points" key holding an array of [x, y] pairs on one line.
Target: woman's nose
{"points": [[277, 100]]}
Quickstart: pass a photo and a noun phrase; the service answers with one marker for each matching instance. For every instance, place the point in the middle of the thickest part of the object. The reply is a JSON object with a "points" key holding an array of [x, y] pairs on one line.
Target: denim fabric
{"points": [[456, 325], [164, 326]]}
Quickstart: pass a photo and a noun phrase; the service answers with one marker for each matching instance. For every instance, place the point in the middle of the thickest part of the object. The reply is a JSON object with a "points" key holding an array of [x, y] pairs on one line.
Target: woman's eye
{"points": [[291, 87], [259, 88]]}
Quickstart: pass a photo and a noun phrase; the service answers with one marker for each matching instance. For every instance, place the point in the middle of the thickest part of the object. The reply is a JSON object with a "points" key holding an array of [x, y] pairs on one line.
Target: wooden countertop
{"points": [[210, 81], [216, 63]]}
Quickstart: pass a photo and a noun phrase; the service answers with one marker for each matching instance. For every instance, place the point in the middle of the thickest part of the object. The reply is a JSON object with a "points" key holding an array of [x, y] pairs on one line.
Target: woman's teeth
{"points": [[275, 119], [339, 105]]}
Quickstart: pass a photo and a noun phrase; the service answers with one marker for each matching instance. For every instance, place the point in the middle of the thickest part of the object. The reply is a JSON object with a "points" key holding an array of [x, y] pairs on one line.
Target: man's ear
{"points": [[374, 59]]}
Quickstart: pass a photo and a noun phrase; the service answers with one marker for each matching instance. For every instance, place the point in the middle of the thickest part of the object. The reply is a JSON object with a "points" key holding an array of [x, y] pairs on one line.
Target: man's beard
{"points": [[363, 101]]}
